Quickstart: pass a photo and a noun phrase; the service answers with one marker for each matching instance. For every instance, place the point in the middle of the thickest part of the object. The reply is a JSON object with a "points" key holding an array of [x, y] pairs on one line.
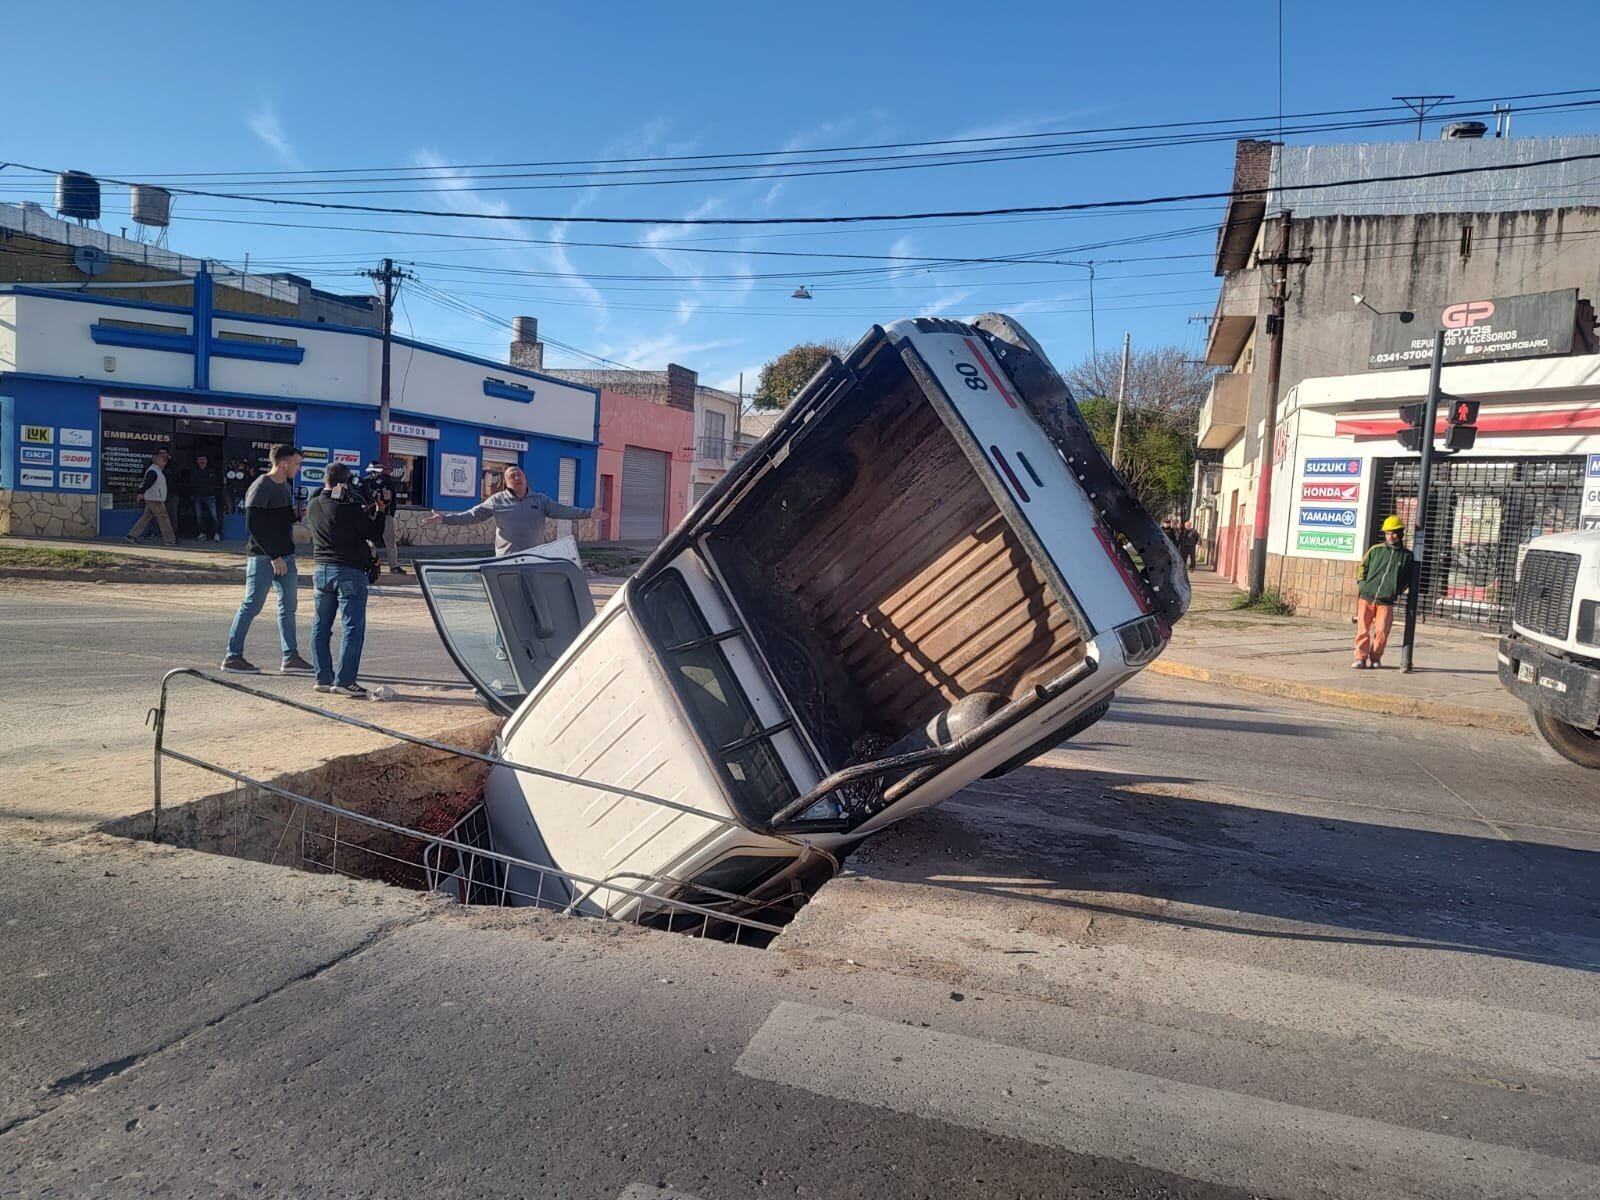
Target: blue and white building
{"points": [[91, 385]]}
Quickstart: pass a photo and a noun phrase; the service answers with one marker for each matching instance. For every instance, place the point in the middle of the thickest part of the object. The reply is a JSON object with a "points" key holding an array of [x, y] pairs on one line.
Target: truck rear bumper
{"points": [[1548, 683]]}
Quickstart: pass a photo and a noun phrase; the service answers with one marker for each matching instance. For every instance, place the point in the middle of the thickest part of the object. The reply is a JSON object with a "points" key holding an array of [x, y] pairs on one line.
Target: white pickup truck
{"points": [[1551, 660], [925, 573]]}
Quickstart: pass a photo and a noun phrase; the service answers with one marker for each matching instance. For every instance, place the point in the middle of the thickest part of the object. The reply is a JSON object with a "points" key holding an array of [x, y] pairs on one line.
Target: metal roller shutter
{"points": [[566, 492], [407, 445], [644, 494], [508, 457]]}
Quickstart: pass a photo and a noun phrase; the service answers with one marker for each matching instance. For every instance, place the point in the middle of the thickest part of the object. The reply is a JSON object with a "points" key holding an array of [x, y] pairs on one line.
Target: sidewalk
{"points": [[1308, 658]]}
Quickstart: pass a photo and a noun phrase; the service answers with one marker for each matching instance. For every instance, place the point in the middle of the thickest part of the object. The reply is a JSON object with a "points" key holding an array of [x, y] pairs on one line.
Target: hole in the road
{"points": [[381, 816]]}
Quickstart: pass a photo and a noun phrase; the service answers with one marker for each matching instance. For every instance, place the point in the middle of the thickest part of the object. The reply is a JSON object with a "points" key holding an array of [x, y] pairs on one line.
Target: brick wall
{"points": [[1317, 587]]}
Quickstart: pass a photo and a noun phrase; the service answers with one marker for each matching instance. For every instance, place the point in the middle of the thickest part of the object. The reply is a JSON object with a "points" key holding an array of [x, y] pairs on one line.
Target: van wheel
{"points": [[1046, 744], [1581, 746]]}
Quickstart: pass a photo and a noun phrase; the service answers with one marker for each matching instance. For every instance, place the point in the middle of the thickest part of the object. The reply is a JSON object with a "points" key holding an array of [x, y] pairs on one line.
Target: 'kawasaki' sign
{"points": [[1476, 330], [1319, 542]]}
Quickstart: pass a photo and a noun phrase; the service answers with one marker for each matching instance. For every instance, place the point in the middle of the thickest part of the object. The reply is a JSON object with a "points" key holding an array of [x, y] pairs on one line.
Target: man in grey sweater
{"points": [[518, 513]]}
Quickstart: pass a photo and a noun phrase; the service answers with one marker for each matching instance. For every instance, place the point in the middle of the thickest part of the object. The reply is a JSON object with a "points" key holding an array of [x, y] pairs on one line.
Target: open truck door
{"points": [[505, 621]]}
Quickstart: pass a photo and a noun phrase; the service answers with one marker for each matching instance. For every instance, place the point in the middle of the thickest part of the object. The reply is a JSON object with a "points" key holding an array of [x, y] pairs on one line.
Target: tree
{"points": [[1166, 389], [785, 375]]}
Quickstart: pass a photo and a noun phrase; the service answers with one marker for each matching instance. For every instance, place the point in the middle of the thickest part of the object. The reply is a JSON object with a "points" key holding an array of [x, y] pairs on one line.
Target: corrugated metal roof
{"points": [[1558, 185]]}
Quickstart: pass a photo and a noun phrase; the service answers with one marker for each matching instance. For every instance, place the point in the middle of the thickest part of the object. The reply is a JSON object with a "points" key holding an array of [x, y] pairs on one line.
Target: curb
{"points": [[221, 575], [1385, 703]]}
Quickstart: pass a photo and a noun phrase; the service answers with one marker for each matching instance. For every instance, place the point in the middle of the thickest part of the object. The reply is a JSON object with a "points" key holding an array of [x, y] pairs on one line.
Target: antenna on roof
{"points": [[1422, 106]]}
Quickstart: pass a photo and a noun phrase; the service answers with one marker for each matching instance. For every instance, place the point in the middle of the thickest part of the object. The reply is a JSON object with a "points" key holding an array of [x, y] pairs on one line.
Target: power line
{"points": [[1081, 206]]}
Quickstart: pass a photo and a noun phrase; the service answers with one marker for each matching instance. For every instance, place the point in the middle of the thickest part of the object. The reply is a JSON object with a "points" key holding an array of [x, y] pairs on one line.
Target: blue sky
{"points": [[164, 89]]}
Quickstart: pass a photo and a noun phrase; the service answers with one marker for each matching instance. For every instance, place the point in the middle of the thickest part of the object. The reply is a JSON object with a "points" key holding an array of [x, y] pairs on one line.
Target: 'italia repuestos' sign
{"points": [[1478, 329]]}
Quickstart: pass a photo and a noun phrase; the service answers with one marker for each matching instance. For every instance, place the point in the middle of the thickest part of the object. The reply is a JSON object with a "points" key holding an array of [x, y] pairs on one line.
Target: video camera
{"points": [[373, 485]]}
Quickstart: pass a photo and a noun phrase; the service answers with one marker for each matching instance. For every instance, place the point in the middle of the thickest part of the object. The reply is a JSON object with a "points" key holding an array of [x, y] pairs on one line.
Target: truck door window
{"points": [[717, 704]]}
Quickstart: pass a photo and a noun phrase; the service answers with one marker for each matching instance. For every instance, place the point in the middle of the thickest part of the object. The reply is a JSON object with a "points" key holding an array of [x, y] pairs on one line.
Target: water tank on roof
{"points": [[1463, 131], [524, 329], [78, 195], [151, 205]]}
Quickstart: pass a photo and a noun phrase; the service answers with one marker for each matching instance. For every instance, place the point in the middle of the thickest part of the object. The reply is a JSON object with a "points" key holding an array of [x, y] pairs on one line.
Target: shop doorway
{"points": [[1481, 512]]}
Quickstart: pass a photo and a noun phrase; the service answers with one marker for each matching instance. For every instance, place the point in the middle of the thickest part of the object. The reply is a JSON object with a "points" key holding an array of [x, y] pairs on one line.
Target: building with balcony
{"points": [[1415, 244]]}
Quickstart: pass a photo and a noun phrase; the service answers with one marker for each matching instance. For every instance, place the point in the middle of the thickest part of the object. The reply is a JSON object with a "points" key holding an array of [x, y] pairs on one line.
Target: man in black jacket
{"points": [[343, 534], [205, 485], [269, 515]]}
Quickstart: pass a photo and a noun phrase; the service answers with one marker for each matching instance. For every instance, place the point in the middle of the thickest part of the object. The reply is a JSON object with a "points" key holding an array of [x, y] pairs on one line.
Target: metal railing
{"points": [[713, 450], [484, 871]]}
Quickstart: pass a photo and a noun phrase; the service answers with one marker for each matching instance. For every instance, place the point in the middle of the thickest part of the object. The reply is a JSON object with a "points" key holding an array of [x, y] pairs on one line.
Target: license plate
{"points": [[1526, 672]]}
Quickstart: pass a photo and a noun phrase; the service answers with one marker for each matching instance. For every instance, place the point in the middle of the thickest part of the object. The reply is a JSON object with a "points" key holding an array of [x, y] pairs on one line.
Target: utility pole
{"points": [[1122, 398], [1419, 547], [389, 275], [1280, 295]]}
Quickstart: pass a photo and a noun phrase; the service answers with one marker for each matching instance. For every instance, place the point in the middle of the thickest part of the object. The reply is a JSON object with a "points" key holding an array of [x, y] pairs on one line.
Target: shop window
{"points": [[411, 485], [234, 335]]}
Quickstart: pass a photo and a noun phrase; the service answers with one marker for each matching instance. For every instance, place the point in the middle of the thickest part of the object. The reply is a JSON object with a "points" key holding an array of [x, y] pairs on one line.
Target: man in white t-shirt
{"points": [[153, 491]]}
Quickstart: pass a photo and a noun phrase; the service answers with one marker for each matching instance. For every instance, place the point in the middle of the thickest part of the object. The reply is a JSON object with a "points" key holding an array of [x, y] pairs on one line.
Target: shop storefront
{"points": [[74, 447]]}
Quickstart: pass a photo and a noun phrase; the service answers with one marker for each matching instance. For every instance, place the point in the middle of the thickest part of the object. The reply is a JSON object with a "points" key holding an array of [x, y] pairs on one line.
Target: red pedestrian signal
{"points": [[1461, 428]]}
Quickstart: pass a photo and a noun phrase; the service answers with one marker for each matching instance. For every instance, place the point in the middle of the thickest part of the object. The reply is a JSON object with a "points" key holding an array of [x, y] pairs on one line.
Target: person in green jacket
{"points": [[1382, 577]]}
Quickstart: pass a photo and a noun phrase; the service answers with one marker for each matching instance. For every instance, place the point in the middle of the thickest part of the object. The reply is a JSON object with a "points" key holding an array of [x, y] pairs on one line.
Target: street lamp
{"points": [[1405, 314], [800, 293]]}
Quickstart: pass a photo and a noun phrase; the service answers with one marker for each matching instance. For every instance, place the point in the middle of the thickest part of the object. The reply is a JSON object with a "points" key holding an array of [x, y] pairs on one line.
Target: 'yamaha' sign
{"points": [[1478, 329], [1327, 518]]}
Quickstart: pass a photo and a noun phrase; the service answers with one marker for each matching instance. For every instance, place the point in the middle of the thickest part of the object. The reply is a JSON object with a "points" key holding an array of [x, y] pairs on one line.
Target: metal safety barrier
{"points": [[482, 873]]}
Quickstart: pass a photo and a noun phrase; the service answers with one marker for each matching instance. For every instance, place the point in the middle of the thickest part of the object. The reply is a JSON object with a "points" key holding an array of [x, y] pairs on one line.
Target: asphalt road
{"points": [[1223, 946]]}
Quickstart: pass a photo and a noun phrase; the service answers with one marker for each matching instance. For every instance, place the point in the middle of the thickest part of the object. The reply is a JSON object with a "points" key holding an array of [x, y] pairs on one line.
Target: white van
{"points": [[925, 573]]}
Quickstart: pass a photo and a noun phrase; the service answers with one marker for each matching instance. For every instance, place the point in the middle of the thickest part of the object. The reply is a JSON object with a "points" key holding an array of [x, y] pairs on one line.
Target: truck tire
{"points": [[1576, 745], [1078, 724]]}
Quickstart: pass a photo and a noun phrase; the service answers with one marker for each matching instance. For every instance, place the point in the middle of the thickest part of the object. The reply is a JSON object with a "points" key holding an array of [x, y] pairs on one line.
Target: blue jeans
{"points": [[342, 590], [205, 516], [258, 578]]}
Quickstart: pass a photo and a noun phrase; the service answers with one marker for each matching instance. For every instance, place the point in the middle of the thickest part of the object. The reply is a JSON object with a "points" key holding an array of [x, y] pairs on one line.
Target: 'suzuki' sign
{"points": [[1477, 329]]}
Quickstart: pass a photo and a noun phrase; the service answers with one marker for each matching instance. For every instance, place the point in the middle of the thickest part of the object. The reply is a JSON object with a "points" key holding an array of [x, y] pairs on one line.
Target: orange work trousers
{"points": [[1373, 622]]}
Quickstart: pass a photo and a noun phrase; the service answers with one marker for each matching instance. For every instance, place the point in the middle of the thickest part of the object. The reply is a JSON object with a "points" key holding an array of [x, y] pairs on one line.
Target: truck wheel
{"points": [[1077, 726], [1573, 744]]}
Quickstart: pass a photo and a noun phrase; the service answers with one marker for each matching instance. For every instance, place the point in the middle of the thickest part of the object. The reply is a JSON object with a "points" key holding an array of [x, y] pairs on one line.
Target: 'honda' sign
{"points": [[1344, 493]]}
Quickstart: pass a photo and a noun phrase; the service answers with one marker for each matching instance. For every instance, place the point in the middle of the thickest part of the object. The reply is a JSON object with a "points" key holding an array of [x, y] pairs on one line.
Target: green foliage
{"points": [[47, 556], [1272, 602], [785, 375]]}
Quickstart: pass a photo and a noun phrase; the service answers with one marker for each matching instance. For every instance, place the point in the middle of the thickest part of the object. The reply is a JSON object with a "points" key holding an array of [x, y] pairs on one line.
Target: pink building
{"points": [[645, 459]]}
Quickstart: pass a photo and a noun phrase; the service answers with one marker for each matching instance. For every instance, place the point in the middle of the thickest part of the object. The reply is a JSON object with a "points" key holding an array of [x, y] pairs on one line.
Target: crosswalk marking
{"points": [[1284, 1150]]}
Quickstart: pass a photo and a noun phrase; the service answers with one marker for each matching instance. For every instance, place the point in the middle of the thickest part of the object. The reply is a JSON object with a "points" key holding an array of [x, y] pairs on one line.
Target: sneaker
{"points": [[322, 687], [397, 571], [1376, 664], [1360, 664], [240, 665], [293, 664], [353, 690]]}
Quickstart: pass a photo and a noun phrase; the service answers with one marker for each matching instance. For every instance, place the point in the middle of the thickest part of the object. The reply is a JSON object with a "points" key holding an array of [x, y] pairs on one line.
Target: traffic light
{"points": [[1461, 424], [1413, 417]]}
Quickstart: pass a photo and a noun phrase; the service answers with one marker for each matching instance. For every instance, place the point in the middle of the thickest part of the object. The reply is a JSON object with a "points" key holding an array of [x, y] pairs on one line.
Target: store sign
{"points": [[1332, 468], [489, 442], [38, 435], [80, 481], [1319, 542], [458, 475], [313, 475], [38, 456], [350, 458], [314, 454], [1589, 514], [77, 437], [1478, 329], [195, 408], [1341, 493], [404, 430], [1327, 518], [76, 458], [42, 479]]}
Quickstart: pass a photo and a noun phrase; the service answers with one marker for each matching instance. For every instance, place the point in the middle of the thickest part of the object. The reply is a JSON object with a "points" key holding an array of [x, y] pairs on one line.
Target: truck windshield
{"points": [[723, 715]]}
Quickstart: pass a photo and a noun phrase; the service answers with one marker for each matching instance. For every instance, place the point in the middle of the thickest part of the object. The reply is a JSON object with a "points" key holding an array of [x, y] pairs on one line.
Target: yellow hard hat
{"points": [[1392, 524]]}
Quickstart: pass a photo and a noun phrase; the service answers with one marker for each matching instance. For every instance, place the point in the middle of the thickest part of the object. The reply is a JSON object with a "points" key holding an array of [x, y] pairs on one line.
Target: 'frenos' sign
{"points": [[1328, 518], [1332, 468], [1344, 493]]}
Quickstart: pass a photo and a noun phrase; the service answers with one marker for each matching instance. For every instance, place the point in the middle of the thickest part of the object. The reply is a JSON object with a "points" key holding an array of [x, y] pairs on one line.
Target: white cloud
{"points": [[944, 304], [264, 123]]}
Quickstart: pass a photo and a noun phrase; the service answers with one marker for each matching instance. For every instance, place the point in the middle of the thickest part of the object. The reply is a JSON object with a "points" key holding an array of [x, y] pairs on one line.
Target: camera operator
{"points": [[344, 525]]}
